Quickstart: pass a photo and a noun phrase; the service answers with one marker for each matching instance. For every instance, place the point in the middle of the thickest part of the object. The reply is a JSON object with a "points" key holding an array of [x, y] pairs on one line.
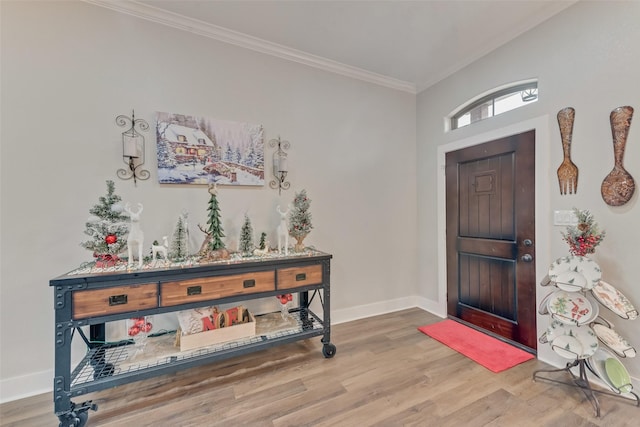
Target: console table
{"points": [[92, 299]]}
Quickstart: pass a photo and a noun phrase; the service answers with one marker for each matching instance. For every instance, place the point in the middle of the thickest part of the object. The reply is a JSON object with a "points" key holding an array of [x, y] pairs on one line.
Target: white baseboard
{"points": [[431, 306], [384, 307], [26, 386]]}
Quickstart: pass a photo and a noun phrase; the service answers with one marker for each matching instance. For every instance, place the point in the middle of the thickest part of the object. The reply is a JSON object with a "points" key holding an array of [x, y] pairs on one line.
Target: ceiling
{"points": [[408, 45]]}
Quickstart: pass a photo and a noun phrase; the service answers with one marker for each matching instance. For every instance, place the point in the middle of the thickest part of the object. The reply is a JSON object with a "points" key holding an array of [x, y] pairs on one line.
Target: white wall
{"points": [[69, 68], [587, 57]]}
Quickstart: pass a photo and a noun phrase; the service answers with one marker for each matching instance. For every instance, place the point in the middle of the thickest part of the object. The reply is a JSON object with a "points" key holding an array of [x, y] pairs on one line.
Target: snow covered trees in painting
{"points": [[196, 150]]}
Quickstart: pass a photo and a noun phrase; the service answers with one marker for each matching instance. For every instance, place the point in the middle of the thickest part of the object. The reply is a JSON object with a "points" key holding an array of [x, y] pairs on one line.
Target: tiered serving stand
{"points": [[576, 329]]}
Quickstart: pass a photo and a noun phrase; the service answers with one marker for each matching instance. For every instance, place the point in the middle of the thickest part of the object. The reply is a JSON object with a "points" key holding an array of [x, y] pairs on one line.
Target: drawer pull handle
{"points": [[118, 299], [250, 283], [300, 277], [194, 290]]}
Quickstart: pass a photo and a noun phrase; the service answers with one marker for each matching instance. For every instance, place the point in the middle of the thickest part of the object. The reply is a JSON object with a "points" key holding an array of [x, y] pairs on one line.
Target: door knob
{"points": [[527, 258]]}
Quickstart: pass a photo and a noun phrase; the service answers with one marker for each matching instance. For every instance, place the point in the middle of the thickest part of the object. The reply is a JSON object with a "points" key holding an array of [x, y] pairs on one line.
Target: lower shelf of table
{"points": [[115, 364]]}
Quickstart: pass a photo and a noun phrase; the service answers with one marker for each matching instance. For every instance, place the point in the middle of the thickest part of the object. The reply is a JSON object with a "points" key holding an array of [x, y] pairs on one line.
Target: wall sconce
{"points": [[132, 148], [280, 167]]}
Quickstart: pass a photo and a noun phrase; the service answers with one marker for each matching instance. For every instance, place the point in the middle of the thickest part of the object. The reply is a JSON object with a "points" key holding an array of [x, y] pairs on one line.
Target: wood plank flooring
{"points": [[385, 373]]}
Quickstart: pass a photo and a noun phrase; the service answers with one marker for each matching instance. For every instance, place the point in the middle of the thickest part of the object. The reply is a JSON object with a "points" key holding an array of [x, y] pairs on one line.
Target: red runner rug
{"points": [[489, 352]]}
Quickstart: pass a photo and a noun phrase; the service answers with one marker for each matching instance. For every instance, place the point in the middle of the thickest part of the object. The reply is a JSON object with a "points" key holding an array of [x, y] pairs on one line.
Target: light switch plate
{"points": [[564, 218]]}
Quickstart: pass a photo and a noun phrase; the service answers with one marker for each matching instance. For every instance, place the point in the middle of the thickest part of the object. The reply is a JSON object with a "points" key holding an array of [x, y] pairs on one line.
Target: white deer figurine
{"points": [[160, 249], [136, 236], [283, 231]]}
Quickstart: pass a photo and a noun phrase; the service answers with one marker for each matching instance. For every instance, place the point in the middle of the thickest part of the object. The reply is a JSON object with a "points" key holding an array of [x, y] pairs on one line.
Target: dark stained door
{"points": [[490, 202]]}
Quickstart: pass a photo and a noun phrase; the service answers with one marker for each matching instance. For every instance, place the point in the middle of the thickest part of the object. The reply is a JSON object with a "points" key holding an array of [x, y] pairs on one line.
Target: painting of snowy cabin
{"points": [[196, 150]]}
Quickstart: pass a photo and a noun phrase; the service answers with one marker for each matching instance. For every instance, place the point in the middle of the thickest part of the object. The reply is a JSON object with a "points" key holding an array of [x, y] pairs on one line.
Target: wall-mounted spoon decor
{"points": [[618, 187], [568, 171]]}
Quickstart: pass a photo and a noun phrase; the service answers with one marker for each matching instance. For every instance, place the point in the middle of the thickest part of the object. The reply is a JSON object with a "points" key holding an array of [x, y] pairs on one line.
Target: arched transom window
{"points": [[496, 102]]}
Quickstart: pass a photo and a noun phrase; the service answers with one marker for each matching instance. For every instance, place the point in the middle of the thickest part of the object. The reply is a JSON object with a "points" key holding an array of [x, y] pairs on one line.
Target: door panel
{"points": [[496, 295], [490, 213]]}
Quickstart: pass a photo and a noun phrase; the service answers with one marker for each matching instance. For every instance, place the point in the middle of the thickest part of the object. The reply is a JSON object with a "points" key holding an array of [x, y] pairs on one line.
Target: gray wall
{"points": [[69, 68], [587, 57]]}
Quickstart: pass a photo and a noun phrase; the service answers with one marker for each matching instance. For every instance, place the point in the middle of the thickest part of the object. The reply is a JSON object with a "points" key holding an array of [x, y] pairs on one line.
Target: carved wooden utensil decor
{"points": [[618, 187], [568, 171]]}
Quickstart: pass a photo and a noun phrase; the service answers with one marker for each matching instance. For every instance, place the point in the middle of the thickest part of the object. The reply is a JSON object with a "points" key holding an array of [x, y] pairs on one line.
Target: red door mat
{"points": [[489, 352]]}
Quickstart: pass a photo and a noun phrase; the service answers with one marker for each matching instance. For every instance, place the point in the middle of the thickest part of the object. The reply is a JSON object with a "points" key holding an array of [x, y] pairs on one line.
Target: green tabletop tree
{"points": [[246, 237], [213, 247]]}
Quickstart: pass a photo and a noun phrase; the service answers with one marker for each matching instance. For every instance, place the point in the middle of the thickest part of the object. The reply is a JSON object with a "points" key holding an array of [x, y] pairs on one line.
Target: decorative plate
{"points": [[571, 281], [573, 273], [596, 364], [614, 300], [614, 341], [572, 308], [584, 334], [567, 347], [618, 375], [543, 309]]}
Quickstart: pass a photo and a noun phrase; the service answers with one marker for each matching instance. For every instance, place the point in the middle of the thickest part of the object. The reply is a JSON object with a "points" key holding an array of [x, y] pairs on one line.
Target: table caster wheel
{"points": [[74, 420], [82, 418], [328, 350]]}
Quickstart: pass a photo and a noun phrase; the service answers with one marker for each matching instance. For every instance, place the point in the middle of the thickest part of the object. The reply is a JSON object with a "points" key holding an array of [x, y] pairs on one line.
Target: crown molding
{"points": [[196, 26]]}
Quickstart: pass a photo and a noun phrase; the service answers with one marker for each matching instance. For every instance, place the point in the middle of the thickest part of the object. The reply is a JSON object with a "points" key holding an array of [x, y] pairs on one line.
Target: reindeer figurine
{"points": [[283, 231], [136, 236], [262, 252], [160, 249]]}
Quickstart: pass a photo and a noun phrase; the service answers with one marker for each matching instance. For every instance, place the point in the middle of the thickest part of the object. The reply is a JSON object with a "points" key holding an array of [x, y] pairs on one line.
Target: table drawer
{"points": [[210, 288], [119, 299], [299, 276]]}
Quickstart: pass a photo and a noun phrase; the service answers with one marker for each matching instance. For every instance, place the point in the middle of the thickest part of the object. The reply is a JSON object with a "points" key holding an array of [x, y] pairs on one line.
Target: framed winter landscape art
{"points": [[198, 150]]}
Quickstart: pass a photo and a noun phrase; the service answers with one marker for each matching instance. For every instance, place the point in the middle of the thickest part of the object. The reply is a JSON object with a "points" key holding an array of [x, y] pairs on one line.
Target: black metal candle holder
{"points": [[133, 148]]}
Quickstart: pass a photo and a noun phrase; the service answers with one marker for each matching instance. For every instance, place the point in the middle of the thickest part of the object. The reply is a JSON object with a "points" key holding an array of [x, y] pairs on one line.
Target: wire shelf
{"points": [[118, 360]]}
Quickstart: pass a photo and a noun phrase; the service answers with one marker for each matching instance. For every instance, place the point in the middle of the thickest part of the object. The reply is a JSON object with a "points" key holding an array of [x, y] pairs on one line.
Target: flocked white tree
{"points": [[107, 227], [178, 249], [300, 219]]}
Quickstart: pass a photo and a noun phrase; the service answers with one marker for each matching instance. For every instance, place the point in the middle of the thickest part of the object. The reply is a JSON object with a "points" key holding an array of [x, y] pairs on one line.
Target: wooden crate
{"points": [[217, 336]]}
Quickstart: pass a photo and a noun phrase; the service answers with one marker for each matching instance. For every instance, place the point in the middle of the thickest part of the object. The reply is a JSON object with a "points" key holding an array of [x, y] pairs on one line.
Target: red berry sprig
{"points": [[284, 298], [139, 325]]}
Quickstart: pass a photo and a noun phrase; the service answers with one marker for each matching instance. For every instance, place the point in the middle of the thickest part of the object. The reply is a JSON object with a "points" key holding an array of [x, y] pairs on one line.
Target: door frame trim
{"points": [[542, 199]]}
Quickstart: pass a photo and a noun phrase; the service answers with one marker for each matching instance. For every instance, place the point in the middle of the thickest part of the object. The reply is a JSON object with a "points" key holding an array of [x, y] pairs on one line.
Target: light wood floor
{"points": [[385, 373]]}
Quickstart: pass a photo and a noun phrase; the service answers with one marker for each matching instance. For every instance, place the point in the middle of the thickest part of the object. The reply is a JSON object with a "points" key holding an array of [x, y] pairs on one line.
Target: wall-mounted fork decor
{"points": [[568, 171]]}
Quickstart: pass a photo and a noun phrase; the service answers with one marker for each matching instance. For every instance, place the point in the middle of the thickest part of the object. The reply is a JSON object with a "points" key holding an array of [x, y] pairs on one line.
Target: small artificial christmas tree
{"points": [[213, 247], [263, 241], [178, 249], [300, 219], [215, 224], [246, 237], [107, 227]]}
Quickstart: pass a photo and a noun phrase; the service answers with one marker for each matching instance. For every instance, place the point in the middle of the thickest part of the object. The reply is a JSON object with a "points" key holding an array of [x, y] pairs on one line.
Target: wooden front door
{"points": [[490, 202]]}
